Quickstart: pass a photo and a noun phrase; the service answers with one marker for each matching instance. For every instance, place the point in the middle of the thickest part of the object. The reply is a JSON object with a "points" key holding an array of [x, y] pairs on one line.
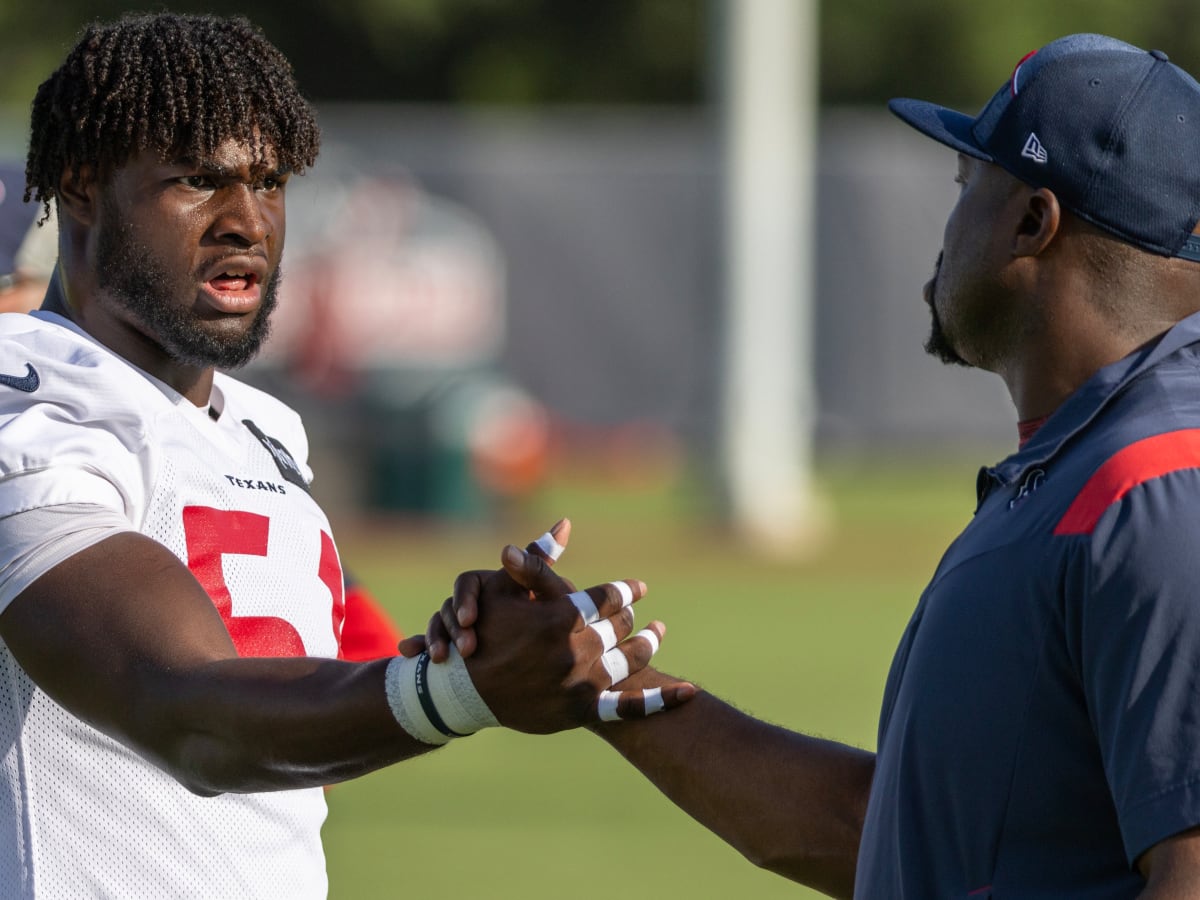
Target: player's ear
{"points": [[1040, 221], [77, 194]]}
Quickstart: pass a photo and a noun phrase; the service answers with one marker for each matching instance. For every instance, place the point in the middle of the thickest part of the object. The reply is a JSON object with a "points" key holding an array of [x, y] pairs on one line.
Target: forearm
{"points": [[241, 725], [790, 803], [123, 636]]}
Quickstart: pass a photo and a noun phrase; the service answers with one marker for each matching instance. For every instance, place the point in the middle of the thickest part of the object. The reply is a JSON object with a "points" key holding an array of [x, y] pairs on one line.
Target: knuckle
{"points": [[581, 693], [535, 565], [570, 660]]}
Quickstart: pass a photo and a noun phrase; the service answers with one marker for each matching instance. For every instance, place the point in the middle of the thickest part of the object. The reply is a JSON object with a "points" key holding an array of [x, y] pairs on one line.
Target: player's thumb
{"points": [[532, 572]]}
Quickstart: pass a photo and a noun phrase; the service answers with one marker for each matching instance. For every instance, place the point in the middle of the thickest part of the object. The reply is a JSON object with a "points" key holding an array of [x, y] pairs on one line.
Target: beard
{"points": [[141, 285], [938, 344]]}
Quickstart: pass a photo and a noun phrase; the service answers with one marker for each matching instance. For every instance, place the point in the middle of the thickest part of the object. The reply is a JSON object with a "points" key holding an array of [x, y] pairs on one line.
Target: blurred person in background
{"points": [[28, 246], [391, 325], [1040, 730]]}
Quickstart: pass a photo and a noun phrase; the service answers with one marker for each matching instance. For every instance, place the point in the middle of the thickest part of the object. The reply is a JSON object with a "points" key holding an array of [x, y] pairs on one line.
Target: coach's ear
{"points": [[1040, 221], [77, 194]]}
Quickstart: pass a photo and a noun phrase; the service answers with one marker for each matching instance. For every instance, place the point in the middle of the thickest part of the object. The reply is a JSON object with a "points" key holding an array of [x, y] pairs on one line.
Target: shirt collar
{"points": [[1086, 403]]}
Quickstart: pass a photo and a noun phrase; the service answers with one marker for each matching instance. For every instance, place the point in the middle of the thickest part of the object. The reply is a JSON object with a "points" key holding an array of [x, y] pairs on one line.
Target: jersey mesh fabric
{"points": [[80, 814]]}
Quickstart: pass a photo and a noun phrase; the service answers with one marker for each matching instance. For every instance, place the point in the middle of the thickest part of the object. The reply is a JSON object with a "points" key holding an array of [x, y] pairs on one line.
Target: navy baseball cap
{"points": [[1112, 130]]}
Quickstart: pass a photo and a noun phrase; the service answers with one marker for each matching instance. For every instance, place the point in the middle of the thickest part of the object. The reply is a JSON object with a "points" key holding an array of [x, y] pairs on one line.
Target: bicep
{"points": [[105, 631], [1172, 867]]}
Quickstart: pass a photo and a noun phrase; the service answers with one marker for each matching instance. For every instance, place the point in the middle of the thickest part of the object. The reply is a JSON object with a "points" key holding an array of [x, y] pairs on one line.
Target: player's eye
{"points": [[272, 182]]}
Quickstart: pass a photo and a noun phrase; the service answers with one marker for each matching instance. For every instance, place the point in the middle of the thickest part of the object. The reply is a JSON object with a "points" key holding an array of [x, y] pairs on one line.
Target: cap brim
{"points": [[946, 126]]}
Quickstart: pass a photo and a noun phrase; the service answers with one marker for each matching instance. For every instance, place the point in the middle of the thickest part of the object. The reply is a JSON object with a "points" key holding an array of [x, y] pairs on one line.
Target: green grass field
{"points": [[804, 644]]}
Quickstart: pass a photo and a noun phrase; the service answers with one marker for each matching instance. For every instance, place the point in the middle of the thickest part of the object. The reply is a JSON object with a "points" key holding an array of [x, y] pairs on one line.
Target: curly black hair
{"points": [[179, 85]]}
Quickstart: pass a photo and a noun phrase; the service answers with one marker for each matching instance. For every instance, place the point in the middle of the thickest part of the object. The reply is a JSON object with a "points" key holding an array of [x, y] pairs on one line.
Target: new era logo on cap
{"points": [[1034, 150]]}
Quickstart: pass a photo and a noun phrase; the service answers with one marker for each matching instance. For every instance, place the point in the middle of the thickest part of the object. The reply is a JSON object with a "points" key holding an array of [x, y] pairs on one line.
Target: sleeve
{"points": [[1135, 593], [80, 436], [367, 631], [39, 539]]}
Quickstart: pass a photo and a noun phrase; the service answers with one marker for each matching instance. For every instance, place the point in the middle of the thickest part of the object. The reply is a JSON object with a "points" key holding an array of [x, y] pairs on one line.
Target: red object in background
{"points": [[367, 631]]}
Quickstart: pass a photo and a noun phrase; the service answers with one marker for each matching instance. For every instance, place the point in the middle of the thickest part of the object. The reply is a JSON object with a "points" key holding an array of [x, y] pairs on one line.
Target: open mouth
{"points": [[234, 281]]}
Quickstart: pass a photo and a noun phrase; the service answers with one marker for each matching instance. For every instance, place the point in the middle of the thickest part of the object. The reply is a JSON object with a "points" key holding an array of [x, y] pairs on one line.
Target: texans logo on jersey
{"points": [[284, 460]]}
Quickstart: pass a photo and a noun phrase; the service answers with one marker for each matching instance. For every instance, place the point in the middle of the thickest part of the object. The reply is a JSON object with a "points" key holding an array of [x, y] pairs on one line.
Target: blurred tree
{"points": [[527, 52], [956, 53], [436, 51]]}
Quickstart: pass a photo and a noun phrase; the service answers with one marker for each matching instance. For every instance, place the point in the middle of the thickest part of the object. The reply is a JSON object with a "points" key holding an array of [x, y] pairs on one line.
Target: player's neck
{"points": [[193, 382]]}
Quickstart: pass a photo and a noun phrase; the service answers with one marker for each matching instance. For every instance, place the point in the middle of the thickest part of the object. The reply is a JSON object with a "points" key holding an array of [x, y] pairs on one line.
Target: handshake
{"points": [[521, 647]]}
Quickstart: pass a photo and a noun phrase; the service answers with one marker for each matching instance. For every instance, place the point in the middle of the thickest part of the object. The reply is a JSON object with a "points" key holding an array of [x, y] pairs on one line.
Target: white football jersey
{"points": [[80, 814]]}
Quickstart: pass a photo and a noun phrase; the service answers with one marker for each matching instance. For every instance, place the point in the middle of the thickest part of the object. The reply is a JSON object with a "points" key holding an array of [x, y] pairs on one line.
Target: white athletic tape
{"points": [[625, 591], [435, 702], [548, 545], [608, 634], [615, 664], [606, 706], [585, 605], [651, 637], [652, 698]]}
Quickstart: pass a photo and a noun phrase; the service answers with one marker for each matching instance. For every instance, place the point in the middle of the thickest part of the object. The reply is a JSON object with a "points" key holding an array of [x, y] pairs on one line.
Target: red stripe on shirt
{"points": [[1136, 464]]}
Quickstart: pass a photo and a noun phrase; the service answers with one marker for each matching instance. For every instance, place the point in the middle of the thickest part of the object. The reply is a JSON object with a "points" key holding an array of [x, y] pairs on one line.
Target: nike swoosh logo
{"points": [[29, 382]]}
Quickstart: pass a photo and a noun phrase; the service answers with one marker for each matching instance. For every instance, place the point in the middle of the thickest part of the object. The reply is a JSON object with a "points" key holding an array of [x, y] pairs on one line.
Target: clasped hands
{"points": [[543, 656]]}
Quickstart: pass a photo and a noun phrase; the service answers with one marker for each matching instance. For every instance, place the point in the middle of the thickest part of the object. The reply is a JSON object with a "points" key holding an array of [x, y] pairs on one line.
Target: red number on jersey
{"points": [[212, 533]]}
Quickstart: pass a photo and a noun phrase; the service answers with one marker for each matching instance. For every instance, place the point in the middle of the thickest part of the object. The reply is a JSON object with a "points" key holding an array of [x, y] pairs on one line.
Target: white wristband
{"points": [[435, 702], [453, 694], [400, 682]]}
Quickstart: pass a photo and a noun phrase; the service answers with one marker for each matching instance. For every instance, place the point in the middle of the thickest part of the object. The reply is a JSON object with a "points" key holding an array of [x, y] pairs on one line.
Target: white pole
{"points": [[769, 98]]}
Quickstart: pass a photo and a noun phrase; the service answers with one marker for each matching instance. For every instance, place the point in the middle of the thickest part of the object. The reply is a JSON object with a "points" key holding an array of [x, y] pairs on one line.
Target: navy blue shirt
{"points": [[1041, 721]]}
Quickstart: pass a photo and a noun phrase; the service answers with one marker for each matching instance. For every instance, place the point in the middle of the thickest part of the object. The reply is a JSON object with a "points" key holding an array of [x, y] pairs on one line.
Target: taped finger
{"points": [[631, 655], [616, 664], [608, 634], [651, 637], [652, 701], [602, 602], [610, 704], [625, 591], [606, 706], [549, 547], [586, 606]]}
